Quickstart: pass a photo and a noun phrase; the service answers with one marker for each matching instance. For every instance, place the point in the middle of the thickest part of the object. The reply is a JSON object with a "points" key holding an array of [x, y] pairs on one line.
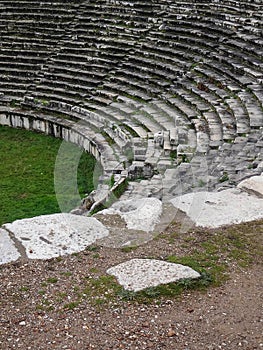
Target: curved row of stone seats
{"points": [[80, 133], [29, 36], [236, 15], [145, 67], [250, 81], [42, 98], [233, 117], [117, 138], [193, 47]]}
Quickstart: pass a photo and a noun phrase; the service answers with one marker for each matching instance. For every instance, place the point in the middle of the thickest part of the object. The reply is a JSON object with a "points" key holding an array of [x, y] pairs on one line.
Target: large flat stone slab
{"points": [[214, 209], [138, 274], [254, 185], [48, 236], [8, 251], [138, 213]]}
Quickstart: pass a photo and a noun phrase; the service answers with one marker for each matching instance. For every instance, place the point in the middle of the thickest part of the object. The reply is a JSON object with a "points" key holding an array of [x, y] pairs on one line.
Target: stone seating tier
{"points": [[190, 72]]}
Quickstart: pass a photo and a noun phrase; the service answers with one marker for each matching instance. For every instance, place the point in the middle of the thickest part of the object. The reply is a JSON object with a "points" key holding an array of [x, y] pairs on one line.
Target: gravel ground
{"points": [[39, 308]]}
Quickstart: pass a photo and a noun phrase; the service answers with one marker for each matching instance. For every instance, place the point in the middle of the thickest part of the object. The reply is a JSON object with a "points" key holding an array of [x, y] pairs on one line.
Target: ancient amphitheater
{"points": [[166, 92], [175, 82]]}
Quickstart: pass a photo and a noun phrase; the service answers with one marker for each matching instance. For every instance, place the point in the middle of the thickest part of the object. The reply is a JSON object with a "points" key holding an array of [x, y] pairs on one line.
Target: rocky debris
{"points": [[253, 185], [138, 213], [48, 236], [138, 274], [214, 209], [127, 223], [8, 251]]}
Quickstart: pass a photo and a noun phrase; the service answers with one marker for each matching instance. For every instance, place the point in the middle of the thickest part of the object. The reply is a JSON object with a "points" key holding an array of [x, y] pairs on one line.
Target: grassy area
{"points": [[27, 174]]}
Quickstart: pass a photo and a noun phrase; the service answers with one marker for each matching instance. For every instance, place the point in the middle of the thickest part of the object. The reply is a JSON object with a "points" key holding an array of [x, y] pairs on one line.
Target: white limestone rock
{"points": [[8, 251], [214, 209], [138, 274], [253, 184], [48, 236], [138, 213]]}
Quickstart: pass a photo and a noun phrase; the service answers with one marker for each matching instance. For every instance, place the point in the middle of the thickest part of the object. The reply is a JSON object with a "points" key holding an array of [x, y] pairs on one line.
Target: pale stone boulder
{"points": [[48, 236], [138, 213], [8, 251], [215, 209], [138, 274], [253, 184]]}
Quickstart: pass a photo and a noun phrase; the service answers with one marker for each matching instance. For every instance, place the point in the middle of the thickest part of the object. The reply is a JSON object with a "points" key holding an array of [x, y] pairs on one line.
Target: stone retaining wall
{"points": [[52, 126]]}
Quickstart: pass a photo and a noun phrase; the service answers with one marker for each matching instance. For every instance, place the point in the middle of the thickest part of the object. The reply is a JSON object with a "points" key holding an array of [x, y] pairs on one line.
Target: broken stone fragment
{"points": [[8, 251], [138, 274], [48, 236], [253, 185]]}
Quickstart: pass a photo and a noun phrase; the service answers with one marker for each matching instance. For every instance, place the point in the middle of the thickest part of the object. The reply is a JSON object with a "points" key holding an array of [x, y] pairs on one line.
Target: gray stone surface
{"points": [[48, 236], [254, 184], [8, 251], [138, 213], [138, 274], [214, 209]]}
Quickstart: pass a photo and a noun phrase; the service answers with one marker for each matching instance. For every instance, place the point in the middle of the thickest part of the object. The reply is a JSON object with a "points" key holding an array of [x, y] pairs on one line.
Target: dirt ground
{"points": [[39, 308]]}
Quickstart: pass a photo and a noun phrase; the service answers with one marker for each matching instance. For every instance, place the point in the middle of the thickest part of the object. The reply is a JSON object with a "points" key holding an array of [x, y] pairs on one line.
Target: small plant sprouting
{"points": [[41, 292], [127, 295], [72, 305], [184, 158], [201, 183], [52, 280], [128, 249], [173, 154], [224, 177], [93, 248], [24, 289]]}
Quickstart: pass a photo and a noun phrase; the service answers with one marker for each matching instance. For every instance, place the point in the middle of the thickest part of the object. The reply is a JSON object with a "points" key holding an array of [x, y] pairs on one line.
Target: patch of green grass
{"points": [[103, 287], [92, 248], [169, 290], [132, 132], [52, 280], [173, 154], [45, 305], [14, 103], [110, 181], [129, 154], [116, 193], [72, 305], [61, 296], [213, 252], [66, 273], [127, 295], [224, 177], [201, 183], [24, 289], [128, 249], [108, 138], [42, 292], [27, 174], [94, 270]]}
